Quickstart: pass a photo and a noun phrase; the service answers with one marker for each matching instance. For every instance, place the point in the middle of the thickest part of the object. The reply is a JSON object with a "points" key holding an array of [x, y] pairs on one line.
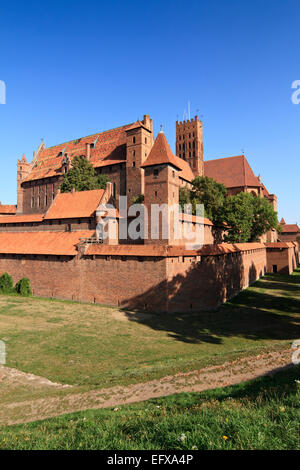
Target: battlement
{"points": [[189, 121]]}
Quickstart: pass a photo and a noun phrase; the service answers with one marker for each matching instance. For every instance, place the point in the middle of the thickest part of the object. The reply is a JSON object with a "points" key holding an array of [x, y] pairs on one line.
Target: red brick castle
{"points": [[51, 237]]}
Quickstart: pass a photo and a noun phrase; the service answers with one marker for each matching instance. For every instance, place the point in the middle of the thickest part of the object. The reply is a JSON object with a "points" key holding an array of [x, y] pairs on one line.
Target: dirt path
{"points": [[228, 373]]}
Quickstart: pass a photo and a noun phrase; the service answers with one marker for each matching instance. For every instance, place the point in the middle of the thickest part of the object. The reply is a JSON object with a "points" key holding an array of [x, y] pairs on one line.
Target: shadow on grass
{"points": [[252, 315]]}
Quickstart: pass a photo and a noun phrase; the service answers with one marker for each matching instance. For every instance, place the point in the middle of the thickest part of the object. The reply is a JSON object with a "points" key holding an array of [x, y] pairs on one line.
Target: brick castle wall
{"points": [[151, 283]]}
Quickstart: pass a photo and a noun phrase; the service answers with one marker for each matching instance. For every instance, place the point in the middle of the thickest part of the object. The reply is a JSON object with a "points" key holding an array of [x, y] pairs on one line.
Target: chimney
{"points": [[88, 151]]}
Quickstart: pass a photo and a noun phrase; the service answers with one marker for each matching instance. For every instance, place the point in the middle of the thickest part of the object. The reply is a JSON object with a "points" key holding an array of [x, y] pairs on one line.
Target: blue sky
{"points": [[73, 68]]}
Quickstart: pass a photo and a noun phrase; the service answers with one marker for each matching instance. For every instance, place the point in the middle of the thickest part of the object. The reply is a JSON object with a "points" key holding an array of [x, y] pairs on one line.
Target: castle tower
{"points": [[139, 143], [161, 188], [23, 170], [189, 144]]}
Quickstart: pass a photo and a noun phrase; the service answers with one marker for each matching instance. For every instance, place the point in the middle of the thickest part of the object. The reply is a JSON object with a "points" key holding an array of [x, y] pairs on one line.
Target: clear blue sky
{"points": [[73, 68]]}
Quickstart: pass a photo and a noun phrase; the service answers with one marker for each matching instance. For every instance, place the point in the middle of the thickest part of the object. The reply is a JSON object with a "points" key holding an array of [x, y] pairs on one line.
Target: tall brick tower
{"points": [[189, 144], [161, 188], [23, 170], [139, 143]]}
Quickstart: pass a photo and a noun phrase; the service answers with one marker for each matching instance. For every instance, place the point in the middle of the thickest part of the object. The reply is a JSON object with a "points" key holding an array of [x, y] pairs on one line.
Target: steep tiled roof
{"points": [[18, 219], [110, 148], [282, 221], [290, 228], [232, 172], [42, 243], [7, 209], [186, 171], [161, 153], [169, 251], [75, 205]]}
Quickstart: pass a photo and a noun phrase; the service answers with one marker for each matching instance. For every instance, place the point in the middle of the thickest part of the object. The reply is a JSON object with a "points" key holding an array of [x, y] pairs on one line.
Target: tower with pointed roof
{"points": [[23, 170], [162, 171], [189, 144]]}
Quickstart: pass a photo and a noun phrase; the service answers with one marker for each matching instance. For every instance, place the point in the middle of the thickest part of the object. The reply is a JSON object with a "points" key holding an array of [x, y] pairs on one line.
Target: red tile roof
{"points": [[195, 219], [75, 205], [110, 148], [7, 209], [42, 243], [232, 172], [169, 251], [161, 153], [290, 228], [18, 219], [280, 245]]}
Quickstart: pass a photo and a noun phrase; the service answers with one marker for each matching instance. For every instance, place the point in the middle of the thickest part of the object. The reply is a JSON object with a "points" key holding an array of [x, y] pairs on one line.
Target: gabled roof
{"points": [[7, 209], [282, 221], [290, 228], [75, 205], [161, 153], [42, 243], [232, 172], [109, 148]]}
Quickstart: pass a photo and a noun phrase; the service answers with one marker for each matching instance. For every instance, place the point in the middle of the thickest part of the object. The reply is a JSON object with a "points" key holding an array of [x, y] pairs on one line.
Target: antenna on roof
{"points": [[243, 151]]}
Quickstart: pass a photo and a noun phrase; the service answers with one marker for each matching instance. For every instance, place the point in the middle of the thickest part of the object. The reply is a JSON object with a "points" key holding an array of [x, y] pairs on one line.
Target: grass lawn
{"points": [[95, 346], [261, 414]]}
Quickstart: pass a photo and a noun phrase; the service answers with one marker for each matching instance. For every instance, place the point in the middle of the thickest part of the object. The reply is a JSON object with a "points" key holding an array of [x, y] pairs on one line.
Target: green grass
{"points": [[93, 346], [261, 414]]}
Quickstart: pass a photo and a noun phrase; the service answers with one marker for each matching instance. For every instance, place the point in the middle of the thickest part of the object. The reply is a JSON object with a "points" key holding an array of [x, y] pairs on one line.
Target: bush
{"points": [[23, 287], [6, 284]]}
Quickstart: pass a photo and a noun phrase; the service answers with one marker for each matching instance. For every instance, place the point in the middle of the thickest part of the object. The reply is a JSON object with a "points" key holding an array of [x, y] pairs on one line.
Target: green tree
{"points": [[238, 215], [265, 218], [184, 197], [6, 284], [23, 287], [82, 177], [211, 194]]}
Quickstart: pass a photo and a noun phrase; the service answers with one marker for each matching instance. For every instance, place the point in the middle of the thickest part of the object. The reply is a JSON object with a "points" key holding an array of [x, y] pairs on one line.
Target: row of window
{"points": [[39, 200], [190, 155], [185, 146], [182, 137], [133, 140]]}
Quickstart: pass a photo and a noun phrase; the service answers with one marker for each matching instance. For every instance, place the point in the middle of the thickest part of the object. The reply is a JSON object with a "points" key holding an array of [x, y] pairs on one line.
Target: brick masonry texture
{"points": [[175, 283]]}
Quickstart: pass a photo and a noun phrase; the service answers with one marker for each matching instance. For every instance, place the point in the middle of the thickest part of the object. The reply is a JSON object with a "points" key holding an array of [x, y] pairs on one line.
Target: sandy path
{"points": [[228, 373]]}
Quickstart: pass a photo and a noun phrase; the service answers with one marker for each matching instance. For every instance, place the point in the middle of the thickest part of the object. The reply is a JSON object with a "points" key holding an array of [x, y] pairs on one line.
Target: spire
{"points": [[161, 129], [24, 159], [161, 153]]}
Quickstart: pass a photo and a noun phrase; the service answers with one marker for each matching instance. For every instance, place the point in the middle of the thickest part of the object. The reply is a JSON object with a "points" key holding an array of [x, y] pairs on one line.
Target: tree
{"points": [[265, 218], [238, 216], [211, 194], [6, 284], [82, 177], [23, 287]]}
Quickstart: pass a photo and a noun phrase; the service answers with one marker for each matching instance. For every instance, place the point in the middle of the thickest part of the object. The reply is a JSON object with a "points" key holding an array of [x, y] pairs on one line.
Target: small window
{"points": [[133, 164], [145, 142], [155, 192], [133, 140], [133, 153], [155, 173]]}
